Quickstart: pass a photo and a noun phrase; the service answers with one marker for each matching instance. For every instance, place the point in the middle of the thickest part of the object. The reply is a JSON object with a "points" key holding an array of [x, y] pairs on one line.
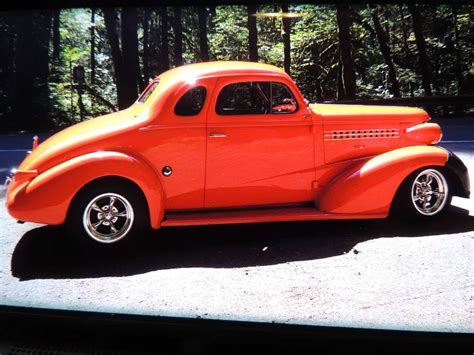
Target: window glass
{"points": [[244, 99], [190, 104], [283, 100], [252, 98], [147, 93]]}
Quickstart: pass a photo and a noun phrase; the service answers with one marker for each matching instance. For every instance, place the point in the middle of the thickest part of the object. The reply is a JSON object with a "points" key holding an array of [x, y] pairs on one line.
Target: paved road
{"points": [[370, 274]]}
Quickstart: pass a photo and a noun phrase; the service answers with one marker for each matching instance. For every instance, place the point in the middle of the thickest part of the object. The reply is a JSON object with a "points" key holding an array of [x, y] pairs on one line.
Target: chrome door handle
{"points": [[217, 135]]}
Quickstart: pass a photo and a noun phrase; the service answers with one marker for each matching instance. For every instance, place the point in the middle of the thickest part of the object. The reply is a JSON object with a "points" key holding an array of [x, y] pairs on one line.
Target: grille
{"points": [[362, 134], [29, 349]]}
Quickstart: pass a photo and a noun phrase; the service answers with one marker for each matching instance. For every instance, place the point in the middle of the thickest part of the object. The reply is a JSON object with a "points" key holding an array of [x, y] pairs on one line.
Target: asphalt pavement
{"points": [[380, 274]]}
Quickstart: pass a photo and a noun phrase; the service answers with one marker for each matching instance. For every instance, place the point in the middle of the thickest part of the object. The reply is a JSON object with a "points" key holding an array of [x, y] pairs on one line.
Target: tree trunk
{"points": [[286, 29], [405, 38], [42, 30], [7, 70], [387, 27], [437, 30], [92, 53], [341, 93], [348, 83], [424, 63], [203, 46], [382, 39], [56, 37], [165, 62], [131, 63], [146, 50], [212, 14], [80, 104], [24, 76], [110, 21], [252, 26], [467, 87], [178, 37], [457, 67]]}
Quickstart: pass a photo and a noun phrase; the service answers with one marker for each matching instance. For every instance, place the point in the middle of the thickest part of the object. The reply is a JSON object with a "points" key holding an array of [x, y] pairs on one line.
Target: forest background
{"points": [[62, 66]]}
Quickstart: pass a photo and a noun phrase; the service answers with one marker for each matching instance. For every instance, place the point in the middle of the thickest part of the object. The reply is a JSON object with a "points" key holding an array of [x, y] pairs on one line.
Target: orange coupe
{"points": [[233, 142]]}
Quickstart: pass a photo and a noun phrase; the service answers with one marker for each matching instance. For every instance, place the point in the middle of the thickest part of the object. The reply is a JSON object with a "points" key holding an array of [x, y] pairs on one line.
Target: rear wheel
{"points": [[424, 193], [102, 216]]}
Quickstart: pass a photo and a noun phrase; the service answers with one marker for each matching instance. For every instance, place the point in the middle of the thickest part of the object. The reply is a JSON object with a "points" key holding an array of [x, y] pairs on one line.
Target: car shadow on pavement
{"points": [[45, 253]]}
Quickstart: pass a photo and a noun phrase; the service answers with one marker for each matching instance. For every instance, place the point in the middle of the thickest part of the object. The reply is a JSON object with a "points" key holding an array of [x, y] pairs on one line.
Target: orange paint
{"points": [[348, 160]]}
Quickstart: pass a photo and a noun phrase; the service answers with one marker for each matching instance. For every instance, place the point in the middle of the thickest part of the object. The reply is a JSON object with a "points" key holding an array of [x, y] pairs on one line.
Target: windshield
{"points": [[148, 91]]}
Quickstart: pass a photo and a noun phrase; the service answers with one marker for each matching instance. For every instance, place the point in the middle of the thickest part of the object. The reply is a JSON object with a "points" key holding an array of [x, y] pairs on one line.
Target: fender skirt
{"points": [[370, 186]]}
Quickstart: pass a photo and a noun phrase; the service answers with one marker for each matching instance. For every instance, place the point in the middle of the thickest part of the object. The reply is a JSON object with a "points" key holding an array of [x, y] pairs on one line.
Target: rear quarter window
{"points": [[191, 103]]}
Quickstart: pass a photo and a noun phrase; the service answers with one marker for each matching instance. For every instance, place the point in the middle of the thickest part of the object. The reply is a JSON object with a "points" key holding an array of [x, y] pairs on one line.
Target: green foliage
{"points": [[315, 51], [229, 38], [75, 39], [447, 30]]}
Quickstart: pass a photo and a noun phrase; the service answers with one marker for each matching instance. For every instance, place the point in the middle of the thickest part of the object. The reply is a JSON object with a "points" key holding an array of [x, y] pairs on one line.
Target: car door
{"points": [[260, 148], [176, 143]]}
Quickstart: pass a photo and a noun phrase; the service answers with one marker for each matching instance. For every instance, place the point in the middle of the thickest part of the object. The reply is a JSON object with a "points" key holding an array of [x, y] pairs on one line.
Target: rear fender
{"points": [[370, 187], [47, 197]]}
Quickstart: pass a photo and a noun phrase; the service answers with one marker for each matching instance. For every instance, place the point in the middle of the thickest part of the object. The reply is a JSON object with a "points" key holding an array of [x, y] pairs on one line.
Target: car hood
{"points": [[79, 139], [335, 113]]}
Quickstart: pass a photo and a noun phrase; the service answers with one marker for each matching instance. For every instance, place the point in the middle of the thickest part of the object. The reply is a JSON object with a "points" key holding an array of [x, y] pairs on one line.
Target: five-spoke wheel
{"points": [[108, 211], [108, 217], [424, 193], [429, 192]]}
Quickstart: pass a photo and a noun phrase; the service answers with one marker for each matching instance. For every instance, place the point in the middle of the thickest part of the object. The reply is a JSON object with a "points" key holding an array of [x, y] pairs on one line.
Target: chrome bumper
{"points": [[7, 182]]}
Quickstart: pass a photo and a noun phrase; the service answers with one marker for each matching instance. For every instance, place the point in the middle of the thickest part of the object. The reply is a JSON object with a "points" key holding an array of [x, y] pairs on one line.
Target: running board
{"points": [[257, 216]]}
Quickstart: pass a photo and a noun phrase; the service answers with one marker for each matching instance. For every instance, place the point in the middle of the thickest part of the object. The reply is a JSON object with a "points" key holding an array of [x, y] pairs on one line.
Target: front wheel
{"points": [[101, 216], [108, 217], [424, 193]]}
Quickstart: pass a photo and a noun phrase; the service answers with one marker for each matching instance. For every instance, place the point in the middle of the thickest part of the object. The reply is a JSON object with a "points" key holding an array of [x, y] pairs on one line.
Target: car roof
{"points": [[219, 68]]}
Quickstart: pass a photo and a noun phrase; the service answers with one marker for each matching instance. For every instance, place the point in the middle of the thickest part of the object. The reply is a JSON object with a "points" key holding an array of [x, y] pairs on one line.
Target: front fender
{"points": [[47, 197], [370, 187]]}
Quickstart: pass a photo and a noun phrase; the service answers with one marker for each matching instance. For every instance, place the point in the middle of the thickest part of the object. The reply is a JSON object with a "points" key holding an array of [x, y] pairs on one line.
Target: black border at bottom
{"points": [[93, 332]]}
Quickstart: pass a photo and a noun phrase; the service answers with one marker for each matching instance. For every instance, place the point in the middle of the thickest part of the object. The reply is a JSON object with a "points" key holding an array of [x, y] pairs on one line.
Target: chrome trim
{"points": [[375, 133], [8, 181], [112, 211], [423, 191], [167, 170], [171, 126]]}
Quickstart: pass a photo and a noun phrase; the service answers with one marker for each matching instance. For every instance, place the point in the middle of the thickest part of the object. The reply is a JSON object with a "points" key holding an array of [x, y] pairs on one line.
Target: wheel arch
{"points": [[112, 180], [458, 176], [47, 198], [136, 173]]}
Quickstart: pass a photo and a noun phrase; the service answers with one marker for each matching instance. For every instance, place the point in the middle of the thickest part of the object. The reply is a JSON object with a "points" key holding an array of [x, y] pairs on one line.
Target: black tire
{"points": [[128, 215], [407, 204]]}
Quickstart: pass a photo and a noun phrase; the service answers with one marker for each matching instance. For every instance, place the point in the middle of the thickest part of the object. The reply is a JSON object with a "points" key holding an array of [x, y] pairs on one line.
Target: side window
{"points": [[248, 98], [252, 98], [283, 100], [190, 104]]}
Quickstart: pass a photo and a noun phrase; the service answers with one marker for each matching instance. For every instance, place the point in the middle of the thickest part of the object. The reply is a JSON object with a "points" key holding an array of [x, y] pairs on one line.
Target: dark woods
{"points": [[334, 52]]}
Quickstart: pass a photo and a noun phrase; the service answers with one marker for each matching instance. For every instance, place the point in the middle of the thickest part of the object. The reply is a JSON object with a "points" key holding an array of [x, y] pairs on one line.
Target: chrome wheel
{"points": [[108, 218], [429, 192]]}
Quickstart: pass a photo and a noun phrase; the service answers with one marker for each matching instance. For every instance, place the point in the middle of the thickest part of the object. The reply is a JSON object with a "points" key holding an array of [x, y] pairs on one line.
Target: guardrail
{"points": [[460, 100]]}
